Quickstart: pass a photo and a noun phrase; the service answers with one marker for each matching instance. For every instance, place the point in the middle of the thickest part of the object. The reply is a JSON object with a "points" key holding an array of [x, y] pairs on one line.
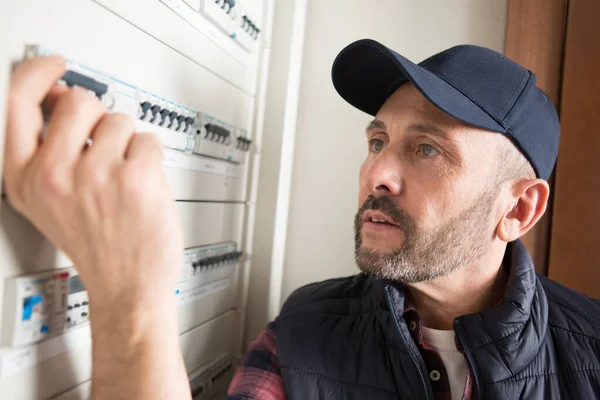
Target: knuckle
{"points": [[134, 181], [90, 177], [140, 182], [119, 120], [51, 182]]}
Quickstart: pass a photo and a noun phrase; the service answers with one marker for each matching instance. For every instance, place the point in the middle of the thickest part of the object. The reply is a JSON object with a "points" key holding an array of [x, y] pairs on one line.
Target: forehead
{"points": [[408, 105]]}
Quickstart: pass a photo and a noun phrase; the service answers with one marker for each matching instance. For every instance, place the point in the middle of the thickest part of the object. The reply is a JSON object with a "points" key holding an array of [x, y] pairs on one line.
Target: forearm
{"points": [[137, 356]]}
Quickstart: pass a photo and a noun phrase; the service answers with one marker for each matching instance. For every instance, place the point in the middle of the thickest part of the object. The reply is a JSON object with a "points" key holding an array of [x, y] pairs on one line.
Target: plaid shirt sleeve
{"points": [[258, 377]]}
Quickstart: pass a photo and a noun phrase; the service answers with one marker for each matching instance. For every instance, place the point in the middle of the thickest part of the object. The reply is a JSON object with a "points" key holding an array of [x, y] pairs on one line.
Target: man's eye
{"points": [[427, 150], [375, 145]]}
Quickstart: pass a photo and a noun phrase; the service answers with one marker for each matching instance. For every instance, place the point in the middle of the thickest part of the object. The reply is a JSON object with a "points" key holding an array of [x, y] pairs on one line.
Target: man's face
{"points": [[427, 191]]}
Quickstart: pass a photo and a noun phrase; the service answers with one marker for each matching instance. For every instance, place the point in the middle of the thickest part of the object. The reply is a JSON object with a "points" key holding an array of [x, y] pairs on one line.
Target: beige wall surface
{"points": [[330, 142]]}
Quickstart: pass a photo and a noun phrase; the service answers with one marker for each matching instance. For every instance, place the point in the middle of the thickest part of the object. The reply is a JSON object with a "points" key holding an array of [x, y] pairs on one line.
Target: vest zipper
{"points": [[459, 331], [410, 352]]}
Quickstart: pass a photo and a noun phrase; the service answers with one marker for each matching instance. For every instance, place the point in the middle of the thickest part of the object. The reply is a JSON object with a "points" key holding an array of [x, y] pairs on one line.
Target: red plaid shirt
{"points": [[258, 376]]}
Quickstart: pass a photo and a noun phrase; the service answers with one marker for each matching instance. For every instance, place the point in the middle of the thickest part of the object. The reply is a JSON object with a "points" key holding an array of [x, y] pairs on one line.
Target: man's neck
{"points": [[466, 290]]}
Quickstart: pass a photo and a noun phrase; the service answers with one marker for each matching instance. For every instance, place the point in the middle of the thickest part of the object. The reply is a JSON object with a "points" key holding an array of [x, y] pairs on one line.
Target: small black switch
{"points": [[77, 305], [154, 110], [146, 105], [164, 113], [172, 117], [72, 78], [84, 314], [85, 303]]}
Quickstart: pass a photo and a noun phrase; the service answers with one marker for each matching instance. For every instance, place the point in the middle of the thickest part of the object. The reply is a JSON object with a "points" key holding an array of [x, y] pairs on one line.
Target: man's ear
{"points": [[530, 197]]}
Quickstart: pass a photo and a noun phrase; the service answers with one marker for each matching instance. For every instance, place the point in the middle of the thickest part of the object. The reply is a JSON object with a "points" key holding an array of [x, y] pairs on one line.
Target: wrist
{"points": [[132, 321]]}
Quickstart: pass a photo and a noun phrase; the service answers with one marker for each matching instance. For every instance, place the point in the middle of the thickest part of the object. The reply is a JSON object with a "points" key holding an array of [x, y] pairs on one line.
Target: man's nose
{"points": [[384, 176]]}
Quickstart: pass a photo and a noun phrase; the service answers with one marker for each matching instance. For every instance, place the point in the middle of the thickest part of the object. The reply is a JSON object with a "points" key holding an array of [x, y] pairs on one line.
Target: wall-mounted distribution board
{"points": [[44, 305], [187, 72], [177, 126]]}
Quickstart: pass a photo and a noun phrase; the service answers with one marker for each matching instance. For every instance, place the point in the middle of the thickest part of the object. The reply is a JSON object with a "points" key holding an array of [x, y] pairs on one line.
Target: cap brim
{"points": [[366, 73]]}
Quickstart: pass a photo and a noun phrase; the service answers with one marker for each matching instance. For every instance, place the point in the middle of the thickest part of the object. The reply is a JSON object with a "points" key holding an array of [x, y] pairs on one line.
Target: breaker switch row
{"points": [[249, 27], [215, 133], [243, 144], [215, 261], [165, 117], [218, 374], [226, 5]]}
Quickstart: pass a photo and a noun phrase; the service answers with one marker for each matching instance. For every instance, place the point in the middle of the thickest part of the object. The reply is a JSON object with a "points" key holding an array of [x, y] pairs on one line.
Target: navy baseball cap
{"points": [[474, 84]]}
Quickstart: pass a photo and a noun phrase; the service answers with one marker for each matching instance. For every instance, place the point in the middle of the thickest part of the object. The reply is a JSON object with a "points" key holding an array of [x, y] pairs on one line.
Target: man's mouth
{"points": [[378, 218]]}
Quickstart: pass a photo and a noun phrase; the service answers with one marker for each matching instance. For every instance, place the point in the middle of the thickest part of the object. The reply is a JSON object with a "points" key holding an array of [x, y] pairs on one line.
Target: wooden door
{"points": [[535, 31], [575, 233]]}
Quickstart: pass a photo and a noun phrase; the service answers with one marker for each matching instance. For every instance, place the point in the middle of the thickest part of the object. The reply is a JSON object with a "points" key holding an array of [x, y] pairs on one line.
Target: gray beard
{"points": [[424, 256]]}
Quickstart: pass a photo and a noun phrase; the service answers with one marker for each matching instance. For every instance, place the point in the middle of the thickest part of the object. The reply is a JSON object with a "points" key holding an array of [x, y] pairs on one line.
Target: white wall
{"points": [[330, 141], [276, 151]]}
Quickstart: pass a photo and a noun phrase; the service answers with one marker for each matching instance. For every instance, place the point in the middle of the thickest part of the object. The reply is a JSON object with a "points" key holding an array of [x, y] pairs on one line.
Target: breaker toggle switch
{"points": [[164, 117], [72, 78], [243, 144], [189, 122], [181, 123], [155, 116], [145, 107], [29, 304], [216, 133], [172, 118]]}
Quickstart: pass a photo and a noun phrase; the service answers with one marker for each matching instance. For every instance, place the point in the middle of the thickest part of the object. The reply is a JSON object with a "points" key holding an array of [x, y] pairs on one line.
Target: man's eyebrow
{"points": [[376, 124], [431, 129]]}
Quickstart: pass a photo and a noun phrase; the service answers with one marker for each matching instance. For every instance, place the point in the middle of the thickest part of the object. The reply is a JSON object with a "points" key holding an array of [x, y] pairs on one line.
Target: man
{"points": [[448, 304]]}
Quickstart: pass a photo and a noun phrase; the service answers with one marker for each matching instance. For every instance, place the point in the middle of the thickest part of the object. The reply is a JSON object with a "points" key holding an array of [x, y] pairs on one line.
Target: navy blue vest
{"points": [[347, 339]]}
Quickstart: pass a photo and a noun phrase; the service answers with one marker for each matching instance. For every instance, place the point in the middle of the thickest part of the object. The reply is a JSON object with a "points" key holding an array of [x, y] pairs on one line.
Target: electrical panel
{"points": [[177, 126], [230, 16], [44, 305], [187, 72], [211, 381]]}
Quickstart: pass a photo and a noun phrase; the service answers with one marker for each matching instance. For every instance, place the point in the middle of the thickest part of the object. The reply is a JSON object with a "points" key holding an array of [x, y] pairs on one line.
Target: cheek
{"points": [[363, 191]]}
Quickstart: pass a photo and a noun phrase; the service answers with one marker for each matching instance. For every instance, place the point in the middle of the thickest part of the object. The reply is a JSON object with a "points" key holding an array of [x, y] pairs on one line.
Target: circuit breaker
{"points": [[187, 72]]}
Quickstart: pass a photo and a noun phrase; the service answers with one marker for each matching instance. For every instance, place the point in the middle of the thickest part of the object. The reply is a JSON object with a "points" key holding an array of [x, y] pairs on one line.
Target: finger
{"points": [[32, 79], [29, 84], [75, 115], [110, 139], [52, 97], [144, 148]]}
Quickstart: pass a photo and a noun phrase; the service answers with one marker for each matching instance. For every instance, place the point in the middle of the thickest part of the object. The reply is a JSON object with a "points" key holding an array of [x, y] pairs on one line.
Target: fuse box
{"points": [[177, 126], [187, 72], [44, 305]]}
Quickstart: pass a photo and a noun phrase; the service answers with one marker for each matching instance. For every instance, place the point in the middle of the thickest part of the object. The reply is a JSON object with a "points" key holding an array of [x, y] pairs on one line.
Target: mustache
{"points": [[386, 206]]}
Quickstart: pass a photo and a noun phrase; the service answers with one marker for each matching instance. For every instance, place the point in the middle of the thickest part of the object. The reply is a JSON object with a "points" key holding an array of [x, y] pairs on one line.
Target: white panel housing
{"points": [[202, 84]]}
